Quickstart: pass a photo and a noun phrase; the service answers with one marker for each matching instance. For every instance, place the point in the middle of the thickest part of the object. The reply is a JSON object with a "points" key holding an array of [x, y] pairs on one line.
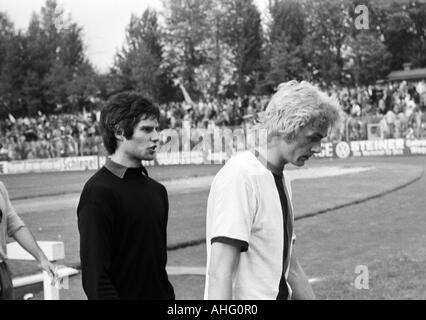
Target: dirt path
{"points": [[174, 187]]}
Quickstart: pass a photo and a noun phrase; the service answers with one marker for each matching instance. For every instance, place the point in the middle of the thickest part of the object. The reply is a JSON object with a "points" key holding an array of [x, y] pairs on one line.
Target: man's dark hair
{"points": [[122, 112]]}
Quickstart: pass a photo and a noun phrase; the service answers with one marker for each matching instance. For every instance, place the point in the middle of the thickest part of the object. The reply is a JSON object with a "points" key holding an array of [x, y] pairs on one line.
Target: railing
{"points": [[54, 251]]}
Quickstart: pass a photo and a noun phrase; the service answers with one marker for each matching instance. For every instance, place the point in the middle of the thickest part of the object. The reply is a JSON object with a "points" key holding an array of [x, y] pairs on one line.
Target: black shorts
{"points": [[6, 286]]}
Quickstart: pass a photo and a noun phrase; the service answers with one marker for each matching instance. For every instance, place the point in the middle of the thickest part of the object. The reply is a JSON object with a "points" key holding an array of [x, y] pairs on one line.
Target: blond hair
{"points": [[296, 105]]}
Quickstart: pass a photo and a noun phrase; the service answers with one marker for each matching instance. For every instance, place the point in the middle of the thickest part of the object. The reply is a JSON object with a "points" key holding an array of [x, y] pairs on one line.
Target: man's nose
{"points": [[316, 148], [155, 136]]}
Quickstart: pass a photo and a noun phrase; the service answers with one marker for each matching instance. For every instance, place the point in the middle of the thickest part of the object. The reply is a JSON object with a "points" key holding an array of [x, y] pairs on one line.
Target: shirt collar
{"points": [[119, 170]]}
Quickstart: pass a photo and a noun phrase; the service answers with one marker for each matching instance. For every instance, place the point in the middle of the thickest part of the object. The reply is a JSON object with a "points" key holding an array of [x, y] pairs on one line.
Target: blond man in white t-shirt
{"points": [[250, 235]]}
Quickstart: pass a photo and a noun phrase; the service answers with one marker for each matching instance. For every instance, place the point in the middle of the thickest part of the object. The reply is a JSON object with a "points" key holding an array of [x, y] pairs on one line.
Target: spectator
{"points": [[47, 136], [4, 153]]}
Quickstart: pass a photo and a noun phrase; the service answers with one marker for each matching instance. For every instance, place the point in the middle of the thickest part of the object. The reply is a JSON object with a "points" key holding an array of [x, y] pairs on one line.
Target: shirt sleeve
{"points": [[232, 209], [242, 245], [14, 222], [95, 224]]}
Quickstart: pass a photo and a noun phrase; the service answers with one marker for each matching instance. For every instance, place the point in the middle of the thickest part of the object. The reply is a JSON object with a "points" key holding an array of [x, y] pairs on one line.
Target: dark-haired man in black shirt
{"points": [[123, 213]]}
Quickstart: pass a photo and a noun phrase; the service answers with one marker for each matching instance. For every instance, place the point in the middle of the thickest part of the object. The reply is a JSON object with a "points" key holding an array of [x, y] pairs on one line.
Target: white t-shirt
{"points": [[244, 205]]}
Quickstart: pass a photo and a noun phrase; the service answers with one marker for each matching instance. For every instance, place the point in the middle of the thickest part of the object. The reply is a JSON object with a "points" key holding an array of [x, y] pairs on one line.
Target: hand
{"points": [[51, 270]]}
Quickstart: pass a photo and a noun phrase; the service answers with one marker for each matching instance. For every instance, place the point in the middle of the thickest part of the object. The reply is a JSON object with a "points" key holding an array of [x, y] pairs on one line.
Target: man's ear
{"points": [[119, 133], [291, 136]]}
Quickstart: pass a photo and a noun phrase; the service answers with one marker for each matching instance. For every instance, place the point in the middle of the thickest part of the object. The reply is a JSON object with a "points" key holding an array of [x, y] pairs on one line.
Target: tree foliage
{"points": [[138, 66], [368, 59], [188, 41], [45, 68], [213, 48], [285, 52], [242, 32]]}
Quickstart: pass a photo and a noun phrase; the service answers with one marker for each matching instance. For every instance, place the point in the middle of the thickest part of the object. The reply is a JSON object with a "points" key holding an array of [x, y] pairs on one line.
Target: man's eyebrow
{"points": [[317, 135], [148, 127]]}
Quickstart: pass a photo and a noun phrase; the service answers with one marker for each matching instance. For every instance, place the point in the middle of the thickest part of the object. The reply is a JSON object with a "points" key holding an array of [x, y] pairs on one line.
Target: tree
{"points": [[58, 76], [6, 32], [138, 66], [417, 12], [45, 68], [286, 61], [188, 41], [377, 16], [215, 76], [288, 17], [404, 32], [329, 25], [286, 37], [11, 76], [369, 59], [242, 31], [398, 37]]}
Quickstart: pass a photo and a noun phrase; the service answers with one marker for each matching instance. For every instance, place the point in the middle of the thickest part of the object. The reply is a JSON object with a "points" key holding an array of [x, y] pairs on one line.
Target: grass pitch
{"points": [[385, 234]]}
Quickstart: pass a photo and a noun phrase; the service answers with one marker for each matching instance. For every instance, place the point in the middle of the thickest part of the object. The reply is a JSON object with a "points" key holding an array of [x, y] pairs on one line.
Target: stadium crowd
{"points": [[49, 136], [398, 110]]}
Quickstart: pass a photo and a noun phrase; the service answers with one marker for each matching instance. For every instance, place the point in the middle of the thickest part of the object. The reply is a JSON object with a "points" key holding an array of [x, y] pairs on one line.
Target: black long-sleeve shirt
{"points": [[122, 220]]}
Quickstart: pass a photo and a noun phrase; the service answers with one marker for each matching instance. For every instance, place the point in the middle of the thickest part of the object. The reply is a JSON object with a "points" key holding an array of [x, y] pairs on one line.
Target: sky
{"points": [[103, 21]]}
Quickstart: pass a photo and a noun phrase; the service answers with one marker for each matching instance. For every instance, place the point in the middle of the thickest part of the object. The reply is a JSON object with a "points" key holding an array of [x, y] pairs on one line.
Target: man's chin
{"points": [[301, 162], [148, 157]]}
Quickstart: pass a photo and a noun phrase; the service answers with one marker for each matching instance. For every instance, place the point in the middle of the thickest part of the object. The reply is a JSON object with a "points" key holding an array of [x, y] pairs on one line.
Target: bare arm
{"points": [[224, 260], [24, 237], [298, 281]]}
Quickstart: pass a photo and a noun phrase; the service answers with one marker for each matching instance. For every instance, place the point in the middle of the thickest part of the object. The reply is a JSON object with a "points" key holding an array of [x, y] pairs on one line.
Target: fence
{"points": [[54, 251]]}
